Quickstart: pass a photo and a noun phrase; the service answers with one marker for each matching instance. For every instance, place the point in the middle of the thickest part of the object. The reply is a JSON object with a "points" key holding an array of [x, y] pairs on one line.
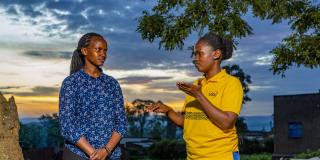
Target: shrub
{"points": [[168, 149], [309, 154]]}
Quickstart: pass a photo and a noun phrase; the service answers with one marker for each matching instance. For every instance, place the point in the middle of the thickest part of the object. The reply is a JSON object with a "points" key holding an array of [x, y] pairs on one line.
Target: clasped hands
{"points": [[99, 154]]}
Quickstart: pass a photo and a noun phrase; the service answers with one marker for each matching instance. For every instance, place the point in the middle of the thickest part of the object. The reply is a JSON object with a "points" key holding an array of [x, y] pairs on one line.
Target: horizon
{"points": [[251, 121]]}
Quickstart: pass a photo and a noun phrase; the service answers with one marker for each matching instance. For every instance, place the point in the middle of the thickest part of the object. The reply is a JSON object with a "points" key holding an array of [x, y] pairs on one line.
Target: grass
{"points": [[262, 156]]}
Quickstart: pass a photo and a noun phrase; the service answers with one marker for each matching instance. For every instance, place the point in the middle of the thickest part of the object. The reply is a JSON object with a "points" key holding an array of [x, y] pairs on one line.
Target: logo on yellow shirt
{"points": [[213, 94]]}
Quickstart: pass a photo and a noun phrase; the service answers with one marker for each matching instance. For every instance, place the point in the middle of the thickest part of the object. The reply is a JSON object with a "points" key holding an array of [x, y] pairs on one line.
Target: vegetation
{"points": [[168, 149], [46, 134], [172, 21], [262, 156], [30, 136], [254, 146], [244, 78], [137, 117], [41, 135], [309, 154]]}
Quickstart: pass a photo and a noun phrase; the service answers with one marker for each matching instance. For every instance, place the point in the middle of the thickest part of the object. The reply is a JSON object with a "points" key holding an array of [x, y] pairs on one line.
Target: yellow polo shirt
{"points": [[204, 140]]}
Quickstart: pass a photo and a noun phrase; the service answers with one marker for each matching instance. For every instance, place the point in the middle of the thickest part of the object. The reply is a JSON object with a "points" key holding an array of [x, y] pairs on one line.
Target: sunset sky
{"points": [[38, 37]]}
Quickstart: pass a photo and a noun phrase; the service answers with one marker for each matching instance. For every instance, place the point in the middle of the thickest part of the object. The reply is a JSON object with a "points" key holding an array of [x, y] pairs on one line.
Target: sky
{"points": [[37, 39]]}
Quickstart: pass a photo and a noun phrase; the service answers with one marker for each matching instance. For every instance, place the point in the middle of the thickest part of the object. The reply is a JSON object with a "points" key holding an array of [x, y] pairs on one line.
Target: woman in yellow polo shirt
{"points": [[212, 104]]}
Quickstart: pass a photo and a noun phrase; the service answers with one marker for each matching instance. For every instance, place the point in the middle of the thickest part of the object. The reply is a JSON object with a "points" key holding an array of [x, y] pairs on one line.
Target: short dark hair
{"points": [[217, 42]]}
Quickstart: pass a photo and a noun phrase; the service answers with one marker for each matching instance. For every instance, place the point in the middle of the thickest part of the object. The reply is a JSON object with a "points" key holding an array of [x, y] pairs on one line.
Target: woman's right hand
{"points": [[158, 107], [99, 154]]}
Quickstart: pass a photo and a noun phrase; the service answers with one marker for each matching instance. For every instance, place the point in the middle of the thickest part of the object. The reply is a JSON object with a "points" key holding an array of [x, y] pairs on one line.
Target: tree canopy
{"points": [[172, 21]]}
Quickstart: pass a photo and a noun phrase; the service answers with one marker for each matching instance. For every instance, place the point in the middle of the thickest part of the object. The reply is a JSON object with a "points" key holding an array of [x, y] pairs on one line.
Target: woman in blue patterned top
{"points": [[91, 107]]}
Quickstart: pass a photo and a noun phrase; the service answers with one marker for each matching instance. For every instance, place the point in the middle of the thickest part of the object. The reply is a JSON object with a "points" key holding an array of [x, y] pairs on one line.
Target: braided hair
{"points": [[216, 42], [77, 61]]}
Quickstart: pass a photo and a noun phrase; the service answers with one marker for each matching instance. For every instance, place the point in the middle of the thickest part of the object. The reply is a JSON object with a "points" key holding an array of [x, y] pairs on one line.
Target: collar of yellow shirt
{"points": [[215, 78]]}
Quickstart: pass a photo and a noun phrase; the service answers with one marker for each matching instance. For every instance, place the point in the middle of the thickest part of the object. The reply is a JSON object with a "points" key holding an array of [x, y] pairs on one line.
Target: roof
{"points": [[296, 95]]}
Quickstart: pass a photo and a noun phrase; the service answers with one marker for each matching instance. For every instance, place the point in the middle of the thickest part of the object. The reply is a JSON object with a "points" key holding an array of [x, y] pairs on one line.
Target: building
{"points": [[296, 124]]}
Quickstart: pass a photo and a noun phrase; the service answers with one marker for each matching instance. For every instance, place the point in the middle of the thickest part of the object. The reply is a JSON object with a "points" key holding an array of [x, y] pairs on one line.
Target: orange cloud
{"points": [[176, 105], [35, 106]]}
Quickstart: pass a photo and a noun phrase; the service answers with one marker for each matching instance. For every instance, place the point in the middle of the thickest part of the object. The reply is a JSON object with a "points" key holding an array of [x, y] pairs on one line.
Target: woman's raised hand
{"points": [[158, 107], [190, 89]]}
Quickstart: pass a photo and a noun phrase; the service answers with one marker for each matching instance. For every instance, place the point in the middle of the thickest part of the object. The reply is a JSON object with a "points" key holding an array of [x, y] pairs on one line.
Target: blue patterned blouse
{"points": [[93, 108]]}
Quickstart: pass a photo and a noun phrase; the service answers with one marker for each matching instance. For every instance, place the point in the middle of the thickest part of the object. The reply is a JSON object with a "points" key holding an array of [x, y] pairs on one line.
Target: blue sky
{"points": [[38, 37]]}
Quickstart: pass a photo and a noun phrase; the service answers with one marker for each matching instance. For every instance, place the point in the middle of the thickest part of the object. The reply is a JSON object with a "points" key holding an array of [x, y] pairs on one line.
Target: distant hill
{"points": [[29, 120], [258, 123]]}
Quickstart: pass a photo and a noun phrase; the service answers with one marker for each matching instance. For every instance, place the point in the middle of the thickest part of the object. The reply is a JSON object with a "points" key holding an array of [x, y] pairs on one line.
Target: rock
{"points": [[9, 130]]}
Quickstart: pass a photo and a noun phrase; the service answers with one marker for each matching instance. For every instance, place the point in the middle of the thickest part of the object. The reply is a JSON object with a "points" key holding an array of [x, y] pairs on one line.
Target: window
{"points": [[295, 130]]}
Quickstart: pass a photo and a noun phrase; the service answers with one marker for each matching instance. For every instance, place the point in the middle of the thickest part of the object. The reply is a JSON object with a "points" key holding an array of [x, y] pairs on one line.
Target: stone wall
{"points": [[9, 130]]}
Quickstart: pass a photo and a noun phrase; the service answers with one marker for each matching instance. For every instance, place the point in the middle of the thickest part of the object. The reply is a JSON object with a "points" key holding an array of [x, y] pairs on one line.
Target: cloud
{"points": [[38, 91], [49, 21], [154, 93], [8, 73], [165, 87], [115, 20], [260, 87], [264, 60], [258, 107], [141, 79], [10, 87], [138, 56], [48, 54], [64, 18]]}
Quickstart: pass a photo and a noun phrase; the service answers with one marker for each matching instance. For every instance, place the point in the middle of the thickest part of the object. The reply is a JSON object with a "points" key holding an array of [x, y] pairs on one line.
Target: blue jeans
{"points": [[236, 156]]}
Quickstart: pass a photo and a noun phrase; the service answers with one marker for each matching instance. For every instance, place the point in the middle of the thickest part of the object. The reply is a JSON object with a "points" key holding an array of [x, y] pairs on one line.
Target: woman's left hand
{"points": [[101, 154], [190, 89]]}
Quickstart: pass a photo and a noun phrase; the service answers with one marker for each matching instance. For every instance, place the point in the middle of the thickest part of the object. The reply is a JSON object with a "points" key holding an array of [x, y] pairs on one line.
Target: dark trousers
{"points": [[68, 155]]}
